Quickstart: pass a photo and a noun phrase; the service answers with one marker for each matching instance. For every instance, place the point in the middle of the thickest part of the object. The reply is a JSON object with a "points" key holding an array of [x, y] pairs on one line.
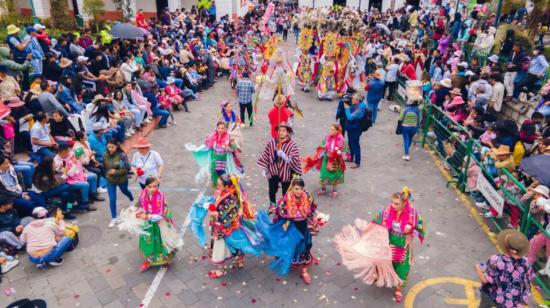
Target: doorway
{"points": [[161, 5], [377, 4], [340, 2]]}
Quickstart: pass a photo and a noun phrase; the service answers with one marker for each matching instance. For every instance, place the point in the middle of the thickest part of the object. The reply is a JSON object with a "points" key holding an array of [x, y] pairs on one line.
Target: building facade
{"points": [[150, 8]]}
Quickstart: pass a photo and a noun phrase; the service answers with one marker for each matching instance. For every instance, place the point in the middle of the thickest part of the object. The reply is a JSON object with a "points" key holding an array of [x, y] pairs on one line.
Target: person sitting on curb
{"points": [[45, 239]]}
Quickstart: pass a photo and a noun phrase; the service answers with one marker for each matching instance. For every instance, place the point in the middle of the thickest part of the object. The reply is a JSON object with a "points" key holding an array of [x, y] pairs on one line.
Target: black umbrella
{"points": [[126, 31], [537, 166]]}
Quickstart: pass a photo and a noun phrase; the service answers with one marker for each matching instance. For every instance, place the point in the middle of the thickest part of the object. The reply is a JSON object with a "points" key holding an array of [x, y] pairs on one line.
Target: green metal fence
{"points": [[460, 153]]}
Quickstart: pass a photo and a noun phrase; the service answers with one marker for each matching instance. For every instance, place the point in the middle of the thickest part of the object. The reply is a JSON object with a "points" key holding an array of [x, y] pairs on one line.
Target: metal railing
{"points": [[460, 152]]}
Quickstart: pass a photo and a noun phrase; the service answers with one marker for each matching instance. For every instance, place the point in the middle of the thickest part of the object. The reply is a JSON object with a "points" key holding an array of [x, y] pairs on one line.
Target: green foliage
{"points": [[522, 38], [94, 8], [59, 12]]}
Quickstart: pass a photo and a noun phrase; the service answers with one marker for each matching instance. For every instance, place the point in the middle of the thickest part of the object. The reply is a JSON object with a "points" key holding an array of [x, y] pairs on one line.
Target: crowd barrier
{"points": [[464, 157]]}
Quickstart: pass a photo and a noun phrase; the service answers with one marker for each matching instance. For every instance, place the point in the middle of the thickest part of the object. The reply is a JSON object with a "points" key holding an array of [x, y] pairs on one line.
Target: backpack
{"points": [[366, 121]]}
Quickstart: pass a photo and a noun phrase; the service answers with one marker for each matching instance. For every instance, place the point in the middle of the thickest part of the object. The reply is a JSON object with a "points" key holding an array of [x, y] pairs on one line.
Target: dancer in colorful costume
{"points": [[288, 236], [304, 72], [217, 156], [232, 226], [369, 249], [280, 77], [159, 240], [329, 159], [280, 161]]}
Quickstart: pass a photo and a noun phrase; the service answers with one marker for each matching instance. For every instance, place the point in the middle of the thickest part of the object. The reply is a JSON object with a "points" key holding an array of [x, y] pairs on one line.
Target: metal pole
{"points": [[497, 19]]}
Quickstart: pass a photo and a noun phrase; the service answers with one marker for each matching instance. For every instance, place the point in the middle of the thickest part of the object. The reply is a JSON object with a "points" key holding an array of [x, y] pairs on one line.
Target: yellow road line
{"points": [[475, 214]]}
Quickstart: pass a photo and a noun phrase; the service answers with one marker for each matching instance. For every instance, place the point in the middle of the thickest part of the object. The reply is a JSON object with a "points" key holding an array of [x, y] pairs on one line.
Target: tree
{"points": [[59, 13], [94, 8], [540, 8]]}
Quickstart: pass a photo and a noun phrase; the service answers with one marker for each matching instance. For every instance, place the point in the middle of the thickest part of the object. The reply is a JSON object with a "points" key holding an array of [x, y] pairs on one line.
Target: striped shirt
{"points": [[276, 166]]}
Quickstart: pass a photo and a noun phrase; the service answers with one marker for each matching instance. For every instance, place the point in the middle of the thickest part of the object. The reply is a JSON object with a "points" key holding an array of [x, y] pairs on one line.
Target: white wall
{"points": [[318, 3], [397, 4], [230, 7]]}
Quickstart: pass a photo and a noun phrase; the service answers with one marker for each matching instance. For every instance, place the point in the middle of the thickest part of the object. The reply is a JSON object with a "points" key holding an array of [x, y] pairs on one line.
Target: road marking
{"points": [[153, 288], [469, 289], [537, 296], [160, 274]]}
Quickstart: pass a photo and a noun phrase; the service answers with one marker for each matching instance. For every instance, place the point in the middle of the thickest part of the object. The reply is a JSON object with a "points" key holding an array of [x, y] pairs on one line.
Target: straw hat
{"points": [[541, 189], [455, 91], [446, 83], [142, 143], [503, 150], [279, 100], [513, 241], [12, 29]]}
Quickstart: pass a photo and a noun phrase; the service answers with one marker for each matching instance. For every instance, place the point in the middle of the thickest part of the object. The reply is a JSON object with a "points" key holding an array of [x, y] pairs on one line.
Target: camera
{"points": [[346, 99]]}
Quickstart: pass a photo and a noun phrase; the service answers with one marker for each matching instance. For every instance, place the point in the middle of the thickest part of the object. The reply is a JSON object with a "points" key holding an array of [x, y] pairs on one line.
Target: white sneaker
{"points": [[128, 134], [113, 222], [406, 157], [9, 265], [101, 190], [131, 131]]}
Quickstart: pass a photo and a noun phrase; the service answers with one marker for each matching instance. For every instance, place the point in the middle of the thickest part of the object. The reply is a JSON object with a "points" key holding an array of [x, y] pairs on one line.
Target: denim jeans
{"points": [[163, 114], [62, 191], [139, 115], [408, 133], [84, 189], [26, 169], [111, 189], [54, 254], [45, 152], [354, 147], [24, 207], [373, 107]]}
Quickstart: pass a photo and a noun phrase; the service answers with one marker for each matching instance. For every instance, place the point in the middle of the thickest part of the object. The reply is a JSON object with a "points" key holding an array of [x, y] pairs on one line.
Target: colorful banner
{"points": [[267, 15]]}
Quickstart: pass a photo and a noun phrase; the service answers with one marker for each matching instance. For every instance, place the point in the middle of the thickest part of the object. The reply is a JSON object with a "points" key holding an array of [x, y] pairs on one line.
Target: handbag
{"points": [[399, 128]]}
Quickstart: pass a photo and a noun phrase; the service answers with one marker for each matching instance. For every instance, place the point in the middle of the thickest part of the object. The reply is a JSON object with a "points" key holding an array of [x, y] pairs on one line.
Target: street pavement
{"points": [[103, 270]]}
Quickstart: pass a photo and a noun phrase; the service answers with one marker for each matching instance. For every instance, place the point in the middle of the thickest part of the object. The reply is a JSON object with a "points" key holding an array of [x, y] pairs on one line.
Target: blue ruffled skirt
{"points": [[290, 246]]}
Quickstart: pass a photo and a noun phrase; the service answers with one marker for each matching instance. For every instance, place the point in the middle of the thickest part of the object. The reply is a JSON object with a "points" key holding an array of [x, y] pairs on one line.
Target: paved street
{"points": [[103, 271]]}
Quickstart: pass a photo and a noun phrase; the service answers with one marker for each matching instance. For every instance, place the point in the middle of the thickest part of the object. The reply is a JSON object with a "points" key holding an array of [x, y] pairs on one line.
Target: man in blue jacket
{"points": [[354, 114], [375, 93], [151, 96]]}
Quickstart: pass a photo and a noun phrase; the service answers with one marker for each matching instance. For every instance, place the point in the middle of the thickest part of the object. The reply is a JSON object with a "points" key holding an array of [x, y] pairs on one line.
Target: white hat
{"points": [[469, 73], [39, 26], [463, 64], [99, 126], [447, 83], [40, 212], [170, 80], [82, 58], [493, 58], [543, 190]]}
